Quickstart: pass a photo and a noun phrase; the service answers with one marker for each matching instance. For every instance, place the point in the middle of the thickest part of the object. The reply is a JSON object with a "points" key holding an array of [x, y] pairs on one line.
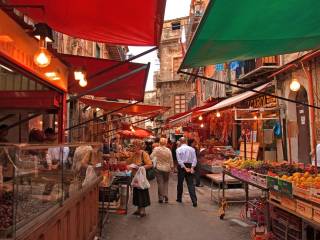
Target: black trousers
{"points": [[182, 174], [197, 174]]}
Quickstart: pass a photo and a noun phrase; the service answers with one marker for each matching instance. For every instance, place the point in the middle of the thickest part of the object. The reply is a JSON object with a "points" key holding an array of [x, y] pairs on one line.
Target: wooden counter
{"points": [[76, 219]]}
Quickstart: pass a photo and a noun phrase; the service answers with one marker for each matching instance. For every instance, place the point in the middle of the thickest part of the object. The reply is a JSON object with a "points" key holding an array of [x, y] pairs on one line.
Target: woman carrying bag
{"points": [[163, 166], [139, 158]]}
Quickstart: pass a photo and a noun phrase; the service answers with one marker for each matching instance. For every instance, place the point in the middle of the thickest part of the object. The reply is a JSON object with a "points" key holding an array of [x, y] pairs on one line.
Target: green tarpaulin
{"points": [[243, 29]]}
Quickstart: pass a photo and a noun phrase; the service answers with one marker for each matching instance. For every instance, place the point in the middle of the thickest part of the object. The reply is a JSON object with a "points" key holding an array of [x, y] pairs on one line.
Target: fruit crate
{"points": [[289, 203], [275, 196], [315, 195], [262, 180], [316, 214], [304, 209], [301, 192], [253, 177]]}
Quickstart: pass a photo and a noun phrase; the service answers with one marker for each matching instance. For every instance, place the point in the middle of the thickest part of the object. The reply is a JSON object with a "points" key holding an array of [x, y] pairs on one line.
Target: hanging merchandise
{"points": [[234, 65], [277, 130], [219, 67]]}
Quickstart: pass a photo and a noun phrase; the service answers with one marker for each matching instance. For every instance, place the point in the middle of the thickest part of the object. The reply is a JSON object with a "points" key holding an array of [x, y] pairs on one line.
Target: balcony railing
{"points": [[252, 64]]}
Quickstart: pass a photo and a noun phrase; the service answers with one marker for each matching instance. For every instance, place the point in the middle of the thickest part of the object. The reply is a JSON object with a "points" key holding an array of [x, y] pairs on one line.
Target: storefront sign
{"points": [[19, 48], [262, 102]]}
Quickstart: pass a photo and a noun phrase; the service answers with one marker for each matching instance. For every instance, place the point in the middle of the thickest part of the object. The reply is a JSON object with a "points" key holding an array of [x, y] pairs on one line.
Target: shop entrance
{"points": [[303, 125]]}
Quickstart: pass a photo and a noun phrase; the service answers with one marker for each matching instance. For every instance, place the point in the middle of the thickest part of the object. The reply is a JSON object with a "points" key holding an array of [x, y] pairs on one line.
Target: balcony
{"points": [[254, 68]]}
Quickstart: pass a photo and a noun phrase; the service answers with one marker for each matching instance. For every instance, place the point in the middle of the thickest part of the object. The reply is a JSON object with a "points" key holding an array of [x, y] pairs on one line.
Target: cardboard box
{"points": [[304, 209], [289, 203]]}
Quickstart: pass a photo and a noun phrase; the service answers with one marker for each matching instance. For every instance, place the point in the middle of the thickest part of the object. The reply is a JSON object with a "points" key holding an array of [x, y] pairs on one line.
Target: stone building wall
{"points": [[168, 82]]}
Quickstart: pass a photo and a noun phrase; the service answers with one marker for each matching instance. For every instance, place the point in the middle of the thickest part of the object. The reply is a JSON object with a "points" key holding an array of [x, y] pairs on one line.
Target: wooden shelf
{"points": [[311, 221]]}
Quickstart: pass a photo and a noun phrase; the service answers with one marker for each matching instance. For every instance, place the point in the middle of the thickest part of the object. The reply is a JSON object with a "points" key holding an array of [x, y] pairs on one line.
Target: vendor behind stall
{"points": [[55, 155]]}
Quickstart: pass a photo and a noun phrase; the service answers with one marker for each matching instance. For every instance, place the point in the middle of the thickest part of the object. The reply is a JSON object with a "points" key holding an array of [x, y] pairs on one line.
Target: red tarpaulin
{"points": [[137, 109], [133, 22], [129, 88], [136, 133]]}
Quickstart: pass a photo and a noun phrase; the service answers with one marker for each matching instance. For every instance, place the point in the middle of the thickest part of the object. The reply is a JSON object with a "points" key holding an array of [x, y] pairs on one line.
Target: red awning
{"points": [[129, 88], [133, 22], [29, 100], [125, 108]]}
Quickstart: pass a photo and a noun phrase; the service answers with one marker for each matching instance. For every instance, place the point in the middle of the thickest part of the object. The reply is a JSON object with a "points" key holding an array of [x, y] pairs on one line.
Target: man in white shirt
{"points": [[187, 161], [55, 155]]}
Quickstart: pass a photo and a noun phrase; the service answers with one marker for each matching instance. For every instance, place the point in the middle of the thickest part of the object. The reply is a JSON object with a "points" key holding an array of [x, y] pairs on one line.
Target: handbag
{"points": [[149, 172]]}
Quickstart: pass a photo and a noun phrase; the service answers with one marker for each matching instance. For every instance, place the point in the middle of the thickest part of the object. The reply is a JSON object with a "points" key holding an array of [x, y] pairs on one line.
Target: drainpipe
{"points": [[308, 73]]}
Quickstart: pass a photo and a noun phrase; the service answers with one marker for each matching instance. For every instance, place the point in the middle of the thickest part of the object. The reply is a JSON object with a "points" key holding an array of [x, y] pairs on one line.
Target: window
{"points": [[179, 103], [175, 26]]}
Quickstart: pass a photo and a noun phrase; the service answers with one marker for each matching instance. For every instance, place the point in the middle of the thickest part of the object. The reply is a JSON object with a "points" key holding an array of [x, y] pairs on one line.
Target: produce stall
{"points": [[293, 195], [213, 156]]}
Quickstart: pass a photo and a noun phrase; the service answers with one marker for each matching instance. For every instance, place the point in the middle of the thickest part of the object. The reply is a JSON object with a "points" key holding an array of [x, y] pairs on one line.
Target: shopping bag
{"points": [[140, 179]]}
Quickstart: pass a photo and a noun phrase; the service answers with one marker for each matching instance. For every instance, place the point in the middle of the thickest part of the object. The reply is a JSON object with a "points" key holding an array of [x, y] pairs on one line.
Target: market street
{"points": [[178, 221]]}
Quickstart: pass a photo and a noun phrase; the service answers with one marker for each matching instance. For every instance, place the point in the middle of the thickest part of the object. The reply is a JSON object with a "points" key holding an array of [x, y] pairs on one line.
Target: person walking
{"points": [[138, 157], [187, 161], [197, 174], [164, 164]]}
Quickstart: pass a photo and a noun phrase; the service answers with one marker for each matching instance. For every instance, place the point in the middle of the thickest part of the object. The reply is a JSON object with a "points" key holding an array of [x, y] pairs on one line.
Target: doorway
{"points": [[304, 147]]}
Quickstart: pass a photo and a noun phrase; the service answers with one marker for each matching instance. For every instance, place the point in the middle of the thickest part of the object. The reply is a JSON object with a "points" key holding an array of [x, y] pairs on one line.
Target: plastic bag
{"points": [[140, 179]]}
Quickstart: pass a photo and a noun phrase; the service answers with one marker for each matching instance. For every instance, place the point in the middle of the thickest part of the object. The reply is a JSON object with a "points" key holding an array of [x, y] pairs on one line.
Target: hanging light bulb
{"points": [[218, 114], [294, 85], [83, 82], [42, 57], [202, 125], [98, 109], [255, 117], [200, 118], [78, 75]]}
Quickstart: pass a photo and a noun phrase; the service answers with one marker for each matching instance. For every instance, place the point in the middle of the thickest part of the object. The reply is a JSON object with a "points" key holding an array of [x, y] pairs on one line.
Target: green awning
{"points": [[243, 29]]}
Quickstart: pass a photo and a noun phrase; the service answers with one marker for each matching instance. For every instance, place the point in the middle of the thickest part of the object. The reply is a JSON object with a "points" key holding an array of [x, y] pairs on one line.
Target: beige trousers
{"points": [[163, 182]]}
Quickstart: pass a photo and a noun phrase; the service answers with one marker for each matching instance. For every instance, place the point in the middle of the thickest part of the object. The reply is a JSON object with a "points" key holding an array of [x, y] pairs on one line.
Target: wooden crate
{"points": [[304, 209], [289, 203], [316, 214], [275, 196], [301, 192], [262, 180]]}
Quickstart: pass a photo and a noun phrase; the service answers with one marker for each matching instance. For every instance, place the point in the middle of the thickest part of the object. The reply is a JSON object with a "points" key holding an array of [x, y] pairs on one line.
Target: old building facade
{"points": [[173, 89]]}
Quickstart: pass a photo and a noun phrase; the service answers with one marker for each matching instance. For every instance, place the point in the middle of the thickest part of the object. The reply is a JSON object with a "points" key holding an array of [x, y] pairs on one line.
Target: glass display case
{"points": [[36, 178]]}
